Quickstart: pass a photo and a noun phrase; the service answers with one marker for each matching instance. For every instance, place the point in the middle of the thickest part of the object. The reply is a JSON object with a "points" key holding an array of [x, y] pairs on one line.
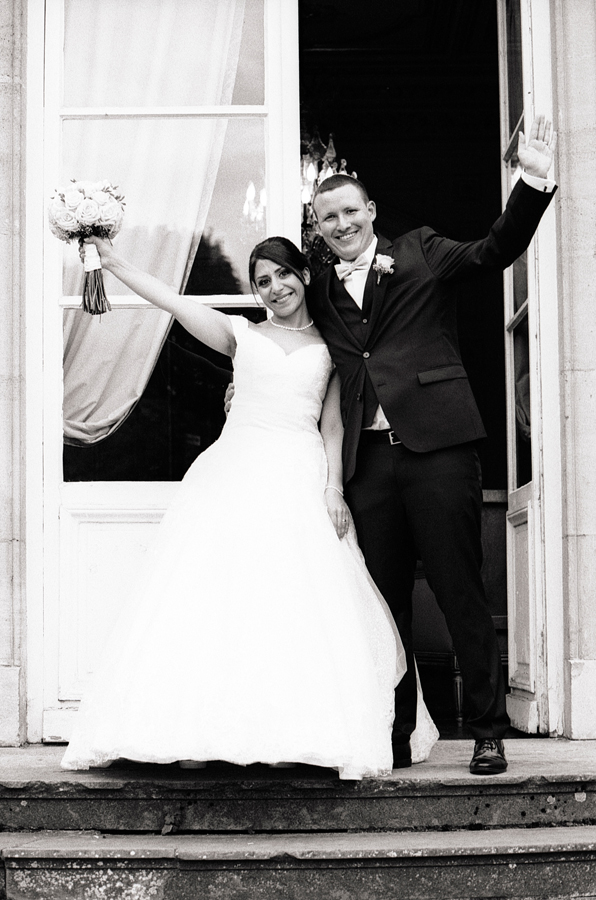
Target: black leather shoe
{"points": [[402, 755], [488, 758]]}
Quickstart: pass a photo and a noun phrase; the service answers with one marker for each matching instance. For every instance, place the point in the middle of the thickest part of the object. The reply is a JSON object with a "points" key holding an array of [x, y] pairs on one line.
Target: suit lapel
{"points": [[379, 285], [367, 299]]}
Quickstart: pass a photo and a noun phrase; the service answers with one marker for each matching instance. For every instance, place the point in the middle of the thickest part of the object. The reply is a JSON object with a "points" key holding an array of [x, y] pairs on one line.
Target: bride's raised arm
{"points": [[208, 325]]}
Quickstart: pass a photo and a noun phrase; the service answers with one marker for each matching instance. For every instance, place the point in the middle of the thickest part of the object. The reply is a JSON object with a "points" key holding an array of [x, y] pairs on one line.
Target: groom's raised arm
{"points": [[514, 229]]}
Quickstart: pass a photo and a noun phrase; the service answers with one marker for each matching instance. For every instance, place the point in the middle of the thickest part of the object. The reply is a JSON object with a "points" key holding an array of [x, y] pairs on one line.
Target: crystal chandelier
{"points": [[254, 210], [318, 163]]}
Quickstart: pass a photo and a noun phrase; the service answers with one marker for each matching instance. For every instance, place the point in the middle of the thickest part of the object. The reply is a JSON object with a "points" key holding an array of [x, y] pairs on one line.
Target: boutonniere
{"points": [[383, 265]]}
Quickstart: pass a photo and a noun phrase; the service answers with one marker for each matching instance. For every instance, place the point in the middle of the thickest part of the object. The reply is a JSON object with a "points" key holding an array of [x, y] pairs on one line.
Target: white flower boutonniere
{"points": [[383, 265]]}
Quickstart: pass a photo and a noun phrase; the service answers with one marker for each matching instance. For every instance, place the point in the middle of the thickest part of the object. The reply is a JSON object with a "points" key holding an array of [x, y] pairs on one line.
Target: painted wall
{"points": [[11, 373], [574, 65]]}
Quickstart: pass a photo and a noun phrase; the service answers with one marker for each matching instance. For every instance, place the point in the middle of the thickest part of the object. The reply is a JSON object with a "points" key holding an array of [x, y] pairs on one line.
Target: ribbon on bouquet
{"points": [[95, 300]]}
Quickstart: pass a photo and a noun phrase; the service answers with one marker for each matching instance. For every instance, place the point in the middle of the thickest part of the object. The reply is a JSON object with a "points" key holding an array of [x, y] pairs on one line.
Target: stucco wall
{"points": [[574, 63], [11, 147]]}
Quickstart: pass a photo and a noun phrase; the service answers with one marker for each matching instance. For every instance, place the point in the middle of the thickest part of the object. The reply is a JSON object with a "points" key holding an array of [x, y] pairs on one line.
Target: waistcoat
{"points": [[353, 317]]}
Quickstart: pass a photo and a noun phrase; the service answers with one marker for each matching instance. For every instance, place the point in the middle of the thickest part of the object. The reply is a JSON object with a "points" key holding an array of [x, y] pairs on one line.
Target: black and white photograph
{"points": [[298, 450]]}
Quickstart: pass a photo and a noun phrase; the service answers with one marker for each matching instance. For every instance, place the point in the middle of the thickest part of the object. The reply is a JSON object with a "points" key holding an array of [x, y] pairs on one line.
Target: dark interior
{"points": [[410, 92]]}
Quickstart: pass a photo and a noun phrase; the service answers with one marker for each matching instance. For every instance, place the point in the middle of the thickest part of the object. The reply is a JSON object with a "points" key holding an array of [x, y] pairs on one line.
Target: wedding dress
{"points": [[254, 634]]}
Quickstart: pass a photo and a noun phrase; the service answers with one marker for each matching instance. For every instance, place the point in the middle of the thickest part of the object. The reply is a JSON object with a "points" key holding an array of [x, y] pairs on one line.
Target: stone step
{"points": [[549, 783], [550, 864]]}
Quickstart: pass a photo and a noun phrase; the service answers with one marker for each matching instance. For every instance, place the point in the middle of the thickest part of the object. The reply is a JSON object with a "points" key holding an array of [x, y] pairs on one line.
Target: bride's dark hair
{"points": [[281, 251]]}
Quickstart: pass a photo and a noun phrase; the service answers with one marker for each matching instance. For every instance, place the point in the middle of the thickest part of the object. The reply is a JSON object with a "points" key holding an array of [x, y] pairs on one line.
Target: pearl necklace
{"points": [[288, 327]]}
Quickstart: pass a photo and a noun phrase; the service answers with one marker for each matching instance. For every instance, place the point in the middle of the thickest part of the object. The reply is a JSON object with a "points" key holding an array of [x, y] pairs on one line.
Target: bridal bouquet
{"points": [[83, 209]]}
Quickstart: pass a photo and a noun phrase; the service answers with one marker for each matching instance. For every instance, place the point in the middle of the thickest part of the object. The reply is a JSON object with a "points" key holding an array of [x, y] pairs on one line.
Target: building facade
{"points": [[194, 108]]}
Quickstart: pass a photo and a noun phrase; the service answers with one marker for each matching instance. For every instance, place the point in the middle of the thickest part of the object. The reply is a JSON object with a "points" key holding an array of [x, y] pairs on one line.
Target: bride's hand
{"points": [[104, 248], [338, 512]]}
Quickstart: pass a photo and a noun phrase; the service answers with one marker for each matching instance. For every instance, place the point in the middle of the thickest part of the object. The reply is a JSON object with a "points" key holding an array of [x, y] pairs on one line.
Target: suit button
{"points": [[358, 396], [366, 354], [364, 321]]}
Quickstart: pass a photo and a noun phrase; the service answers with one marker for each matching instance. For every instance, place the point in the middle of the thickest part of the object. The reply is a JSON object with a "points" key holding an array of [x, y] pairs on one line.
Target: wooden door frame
{"points": [[536, 701], [44, 489]]}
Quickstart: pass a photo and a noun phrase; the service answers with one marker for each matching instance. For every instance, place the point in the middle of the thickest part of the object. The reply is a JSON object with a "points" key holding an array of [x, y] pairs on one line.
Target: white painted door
{"points": [[532, 394], [135, 122]]}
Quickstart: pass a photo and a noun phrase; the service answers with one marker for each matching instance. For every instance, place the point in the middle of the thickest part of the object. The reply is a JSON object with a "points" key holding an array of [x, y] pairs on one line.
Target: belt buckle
{"points": [[392, 439]]}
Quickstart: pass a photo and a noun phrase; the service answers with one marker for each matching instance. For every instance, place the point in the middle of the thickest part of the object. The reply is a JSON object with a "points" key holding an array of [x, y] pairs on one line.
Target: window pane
{"points": [[249, 88], [182, 179], [521, 361], [515, 83], [523, 430], [179, 415], [155, 53], [237, 214]]}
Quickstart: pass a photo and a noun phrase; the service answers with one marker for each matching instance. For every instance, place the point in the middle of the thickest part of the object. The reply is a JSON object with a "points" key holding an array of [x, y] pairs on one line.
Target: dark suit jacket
{"points": [[409, 347]]}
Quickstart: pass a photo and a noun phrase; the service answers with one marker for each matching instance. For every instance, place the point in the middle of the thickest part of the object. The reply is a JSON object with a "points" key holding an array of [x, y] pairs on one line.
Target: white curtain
{"points": [[144, 53]]}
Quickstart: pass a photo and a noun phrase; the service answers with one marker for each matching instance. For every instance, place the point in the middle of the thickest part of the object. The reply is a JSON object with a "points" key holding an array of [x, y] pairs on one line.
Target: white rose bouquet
{"points": [[82, 209]]}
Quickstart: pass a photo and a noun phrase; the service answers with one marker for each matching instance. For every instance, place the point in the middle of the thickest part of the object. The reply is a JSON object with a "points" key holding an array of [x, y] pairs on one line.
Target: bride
{"points": [[255, 633]]}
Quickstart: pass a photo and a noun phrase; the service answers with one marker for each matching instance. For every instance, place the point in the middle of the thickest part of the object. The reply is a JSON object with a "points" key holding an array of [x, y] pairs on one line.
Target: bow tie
{"points": [[343, 269]]}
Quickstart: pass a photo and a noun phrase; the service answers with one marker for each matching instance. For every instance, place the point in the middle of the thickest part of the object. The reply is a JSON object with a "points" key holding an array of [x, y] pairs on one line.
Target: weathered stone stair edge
{"points": [[197, 814], [549, 784], [138, 783], [74, 845], [543, 759], [549, 864], [220, 807]]}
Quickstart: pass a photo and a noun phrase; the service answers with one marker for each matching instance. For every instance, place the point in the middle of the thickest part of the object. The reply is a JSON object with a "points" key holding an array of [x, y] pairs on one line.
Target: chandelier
{"points": [[254, 210], [319, 161]]}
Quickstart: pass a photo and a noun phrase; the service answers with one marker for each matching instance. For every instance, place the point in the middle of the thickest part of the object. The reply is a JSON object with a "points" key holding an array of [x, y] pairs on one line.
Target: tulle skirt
{"points": [[253, 634]]}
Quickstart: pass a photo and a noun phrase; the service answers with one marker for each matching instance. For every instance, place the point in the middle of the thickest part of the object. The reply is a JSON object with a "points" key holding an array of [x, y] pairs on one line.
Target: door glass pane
{"points": [[521, 361], [514, 64], [154, 53], [182, 179], [194, 188], [249, 87], [237, 217], [179, 415]]}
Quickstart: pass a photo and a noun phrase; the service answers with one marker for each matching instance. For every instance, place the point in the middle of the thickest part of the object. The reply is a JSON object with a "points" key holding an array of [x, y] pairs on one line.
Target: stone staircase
{"points": [[432, 832]]}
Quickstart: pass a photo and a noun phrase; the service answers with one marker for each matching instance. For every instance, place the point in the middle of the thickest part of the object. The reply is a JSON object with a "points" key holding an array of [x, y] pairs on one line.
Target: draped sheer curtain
{"points": [[147, 56]]}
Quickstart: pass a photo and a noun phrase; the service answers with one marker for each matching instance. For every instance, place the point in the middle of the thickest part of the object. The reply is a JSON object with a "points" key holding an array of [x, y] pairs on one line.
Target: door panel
{"points": [[530, 296], [105, 531], [94, 535]]}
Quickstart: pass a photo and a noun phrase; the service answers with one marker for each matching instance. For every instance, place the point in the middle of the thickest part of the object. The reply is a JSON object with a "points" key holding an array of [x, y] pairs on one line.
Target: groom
{"points": [[411, 471]]}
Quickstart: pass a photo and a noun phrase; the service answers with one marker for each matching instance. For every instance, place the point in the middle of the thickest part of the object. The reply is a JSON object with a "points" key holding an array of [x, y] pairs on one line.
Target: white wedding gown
{"points": [[254, 633]]}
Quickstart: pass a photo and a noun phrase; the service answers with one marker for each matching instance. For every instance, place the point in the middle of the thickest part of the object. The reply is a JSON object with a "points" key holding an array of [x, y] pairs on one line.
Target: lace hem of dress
{"points": [[347, 771]]}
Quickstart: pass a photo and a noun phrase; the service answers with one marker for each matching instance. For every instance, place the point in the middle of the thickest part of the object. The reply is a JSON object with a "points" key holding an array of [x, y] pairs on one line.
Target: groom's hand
{"points": [[537, 154]]}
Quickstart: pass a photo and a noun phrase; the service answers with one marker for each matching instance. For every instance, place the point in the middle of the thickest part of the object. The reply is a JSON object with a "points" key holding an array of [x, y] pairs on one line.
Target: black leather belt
{"points": [[379, 437]]}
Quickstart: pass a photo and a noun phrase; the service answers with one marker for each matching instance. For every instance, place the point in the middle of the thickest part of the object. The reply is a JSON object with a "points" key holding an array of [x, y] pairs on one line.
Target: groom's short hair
{"points": [[337, 181]]}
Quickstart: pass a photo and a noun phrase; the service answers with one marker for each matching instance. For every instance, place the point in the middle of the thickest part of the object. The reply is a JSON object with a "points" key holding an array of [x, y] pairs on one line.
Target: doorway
{"points": [[409, 92]]}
